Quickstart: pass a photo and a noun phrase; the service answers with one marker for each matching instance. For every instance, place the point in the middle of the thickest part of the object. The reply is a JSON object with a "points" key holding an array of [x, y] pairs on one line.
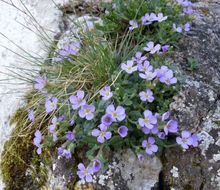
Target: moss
{"points": [[19, 157]]}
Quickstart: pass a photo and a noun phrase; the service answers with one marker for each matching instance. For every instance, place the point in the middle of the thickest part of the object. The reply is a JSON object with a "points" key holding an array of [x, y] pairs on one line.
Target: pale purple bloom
{"points": [[187, 27], [37, 140], [102, 134], [51, 128], [148, 121], [151, 48], [145, 67], [106, 93], [133, 24], [139, 58], [188, 10], [185, 140], [161, 18], [150, 146], [177, 28], [69, 49], [64, 153], [148, 71], [147, 131], [148, 18], [106, 12], [165, 116], [123, 131], [70, 135], [161, 135], [87, 111], [97, 165], [157, 115], [117, 114], [148, 75], [114, 5], [129, 67], [165, 48], [61, 118], [51, 104], [107, 119], [78, 100], [31, 115], [161, 71], [72, 122], [40, 82], [140, 157], [165, 75], [146, 96], [195, 140], [171, 126], [85, 173], [184, 3]]}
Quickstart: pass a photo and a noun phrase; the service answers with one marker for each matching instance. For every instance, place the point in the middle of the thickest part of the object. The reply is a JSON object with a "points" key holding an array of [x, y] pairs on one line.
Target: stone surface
{"points": [[197, 106], [12, 89]]}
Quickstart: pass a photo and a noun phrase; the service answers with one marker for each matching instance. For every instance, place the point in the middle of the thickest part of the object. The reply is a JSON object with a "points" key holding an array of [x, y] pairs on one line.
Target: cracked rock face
{"points": [[197, 106]]}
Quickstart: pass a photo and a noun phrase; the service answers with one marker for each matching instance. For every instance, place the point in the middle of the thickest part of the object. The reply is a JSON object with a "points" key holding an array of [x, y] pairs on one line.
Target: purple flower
{"points": [[195, 140], [85, 173], [148, 75], [140, 157], [72, 122], [37, 140], [148, 18], [69, 49], [151, 48], [117, 114], [187, 27], [139, 58], [78, 100], [51, 128], [147, 131], [106, 93], [150, 146], [188, 10], [51, 104], [123, 131], [165, 116], [171, 126], [64, 153], [165, 75], [184, 3], [97, 165], [145, 67], [129, 67], [185, 140], [87, 111], [149, 120], [70, 135], [146, 96], [107, 119], [161, 135], [40, 82], [177, 29], [161, 18], [102, 134], [165, 48], [61, 118], [133, 24], [31, 115]]}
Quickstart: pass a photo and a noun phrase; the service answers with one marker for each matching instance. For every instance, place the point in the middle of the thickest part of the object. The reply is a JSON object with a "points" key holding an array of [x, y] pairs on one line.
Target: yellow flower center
{"points": [[85, 171], [102, 133], [87, 111], [146, 120], [114, 114]]}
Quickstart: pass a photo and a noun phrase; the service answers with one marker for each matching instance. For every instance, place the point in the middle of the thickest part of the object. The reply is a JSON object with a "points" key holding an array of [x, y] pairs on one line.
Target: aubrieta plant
{"points": [[104, 99]]}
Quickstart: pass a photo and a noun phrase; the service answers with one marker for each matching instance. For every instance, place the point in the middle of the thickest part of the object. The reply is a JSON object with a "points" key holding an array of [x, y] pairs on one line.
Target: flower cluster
{"points": [[126, 111], [147, 19]]}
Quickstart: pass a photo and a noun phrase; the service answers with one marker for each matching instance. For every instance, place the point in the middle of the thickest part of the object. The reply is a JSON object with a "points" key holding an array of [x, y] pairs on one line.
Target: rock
{"points": [[197, 106], [12, 89]]}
